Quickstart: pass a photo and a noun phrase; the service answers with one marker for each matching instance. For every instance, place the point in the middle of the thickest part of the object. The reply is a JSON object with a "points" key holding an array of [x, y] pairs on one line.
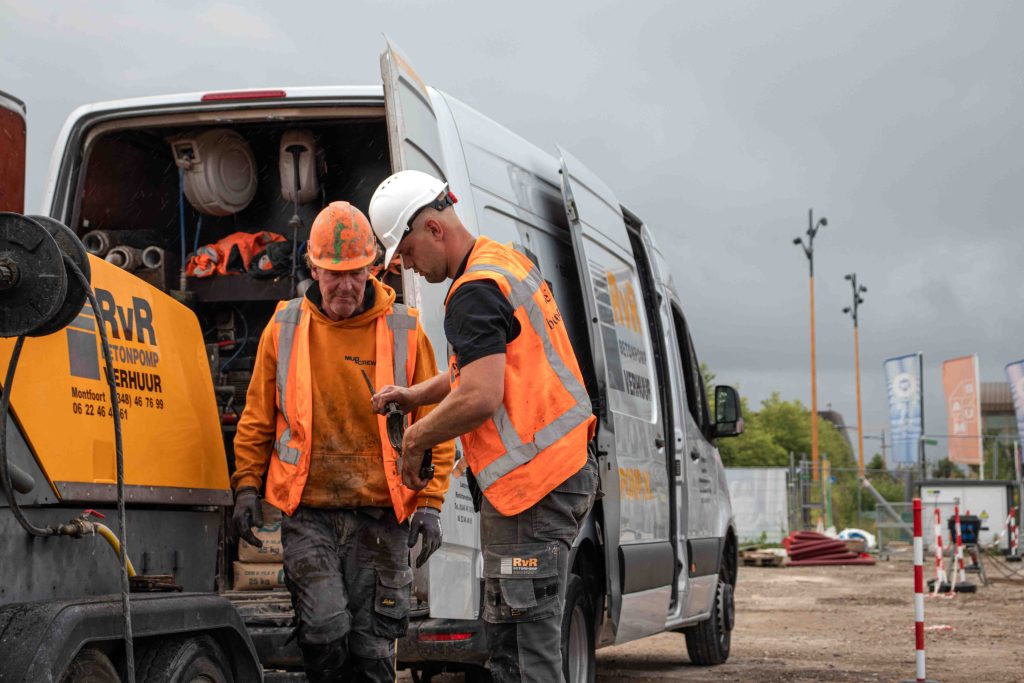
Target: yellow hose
{"points": [[106, 533]]}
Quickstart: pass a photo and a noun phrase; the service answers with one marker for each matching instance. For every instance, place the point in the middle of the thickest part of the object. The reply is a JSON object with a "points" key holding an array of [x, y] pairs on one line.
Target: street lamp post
{"points": [[853, 310], [808, 247]]}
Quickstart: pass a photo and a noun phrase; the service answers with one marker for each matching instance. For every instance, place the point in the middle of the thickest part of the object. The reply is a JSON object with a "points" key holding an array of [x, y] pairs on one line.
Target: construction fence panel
{"points": [[760, 503]]}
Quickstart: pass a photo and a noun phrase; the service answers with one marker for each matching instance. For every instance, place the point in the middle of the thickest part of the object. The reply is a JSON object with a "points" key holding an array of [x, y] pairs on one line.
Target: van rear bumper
{"points": [[459, 641]]}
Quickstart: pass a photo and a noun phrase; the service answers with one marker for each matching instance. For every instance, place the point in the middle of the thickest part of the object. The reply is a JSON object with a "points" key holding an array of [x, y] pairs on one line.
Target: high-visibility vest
{"points": [[538, 436], [231, 254], [289, 463]]}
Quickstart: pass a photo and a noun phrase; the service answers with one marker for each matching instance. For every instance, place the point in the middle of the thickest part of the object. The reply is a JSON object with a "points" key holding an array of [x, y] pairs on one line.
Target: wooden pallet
{"points": [[760, 558]]}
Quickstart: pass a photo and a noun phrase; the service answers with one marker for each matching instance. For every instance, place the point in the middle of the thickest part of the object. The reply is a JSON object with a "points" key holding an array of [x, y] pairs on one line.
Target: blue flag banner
{"points": [[903, 381], [1015, 375]]}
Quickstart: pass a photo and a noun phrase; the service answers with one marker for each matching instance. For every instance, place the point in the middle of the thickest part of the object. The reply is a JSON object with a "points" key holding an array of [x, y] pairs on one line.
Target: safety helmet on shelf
{"points": [[341, 238], [397, 201]]}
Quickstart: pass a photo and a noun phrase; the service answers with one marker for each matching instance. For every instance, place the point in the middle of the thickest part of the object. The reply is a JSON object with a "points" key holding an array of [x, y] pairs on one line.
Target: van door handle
{"points": [[694, 455], [659, 441]]}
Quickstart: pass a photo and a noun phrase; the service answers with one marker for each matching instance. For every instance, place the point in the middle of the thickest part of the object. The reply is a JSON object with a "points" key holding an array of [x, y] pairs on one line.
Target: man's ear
{"points": [[435, 226], [314, 271]]}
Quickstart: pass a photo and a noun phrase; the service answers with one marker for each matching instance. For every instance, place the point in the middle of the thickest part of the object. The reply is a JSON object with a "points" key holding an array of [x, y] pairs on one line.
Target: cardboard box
{"points": [[250, 576], [271, 550]]}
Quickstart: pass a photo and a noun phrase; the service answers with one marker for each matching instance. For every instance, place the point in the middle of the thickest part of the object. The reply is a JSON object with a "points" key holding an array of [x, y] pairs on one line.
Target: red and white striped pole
{"points": [[959, 574], [1014, 547], [940, 573], [918, 593]]}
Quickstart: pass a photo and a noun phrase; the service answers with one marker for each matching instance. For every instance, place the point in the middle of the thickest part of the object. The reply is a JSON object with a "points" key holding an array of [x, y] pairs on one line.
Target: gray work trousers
{"points": [[526, 566], [349, 577]]}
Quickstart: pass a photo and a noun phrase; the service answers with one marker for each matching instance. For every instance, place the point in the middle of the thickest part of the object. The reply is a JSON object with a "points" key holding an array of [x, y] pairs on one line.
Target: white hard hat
{"points": [[398, 199]]}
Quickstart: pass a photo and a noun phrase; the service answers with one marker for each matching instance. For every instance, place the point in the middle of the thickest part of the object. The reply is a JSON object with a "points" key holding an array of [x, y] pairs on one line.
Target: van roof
{"points": [[292, 93]]}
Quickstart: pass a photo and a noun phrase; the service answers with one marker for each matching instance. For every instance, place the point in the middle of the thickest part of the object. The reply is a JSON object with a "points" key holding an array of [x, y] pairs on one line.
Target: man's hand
{"points": [[425, 521], [247, 514], [412, 459], [390, 393]]}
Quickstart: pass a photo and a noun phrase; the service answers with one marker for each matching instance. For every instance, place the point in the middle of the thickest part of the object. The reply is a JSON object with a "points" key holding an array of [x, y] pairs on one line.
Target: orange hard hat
{"points": [[341, 238]]}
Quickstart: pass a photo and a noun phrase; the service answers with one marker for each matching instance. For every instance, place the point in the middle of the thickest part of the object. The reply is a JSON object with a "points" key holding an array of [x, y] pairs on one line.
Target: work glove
{"points": [[248, 513], [425, 521]]}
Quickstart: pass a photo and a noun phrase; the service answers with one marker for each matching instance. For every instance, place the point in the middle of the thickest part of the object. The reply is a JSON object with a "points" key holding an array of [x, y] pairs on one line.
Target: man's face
{"points": [[342, 290], [422, 249]]}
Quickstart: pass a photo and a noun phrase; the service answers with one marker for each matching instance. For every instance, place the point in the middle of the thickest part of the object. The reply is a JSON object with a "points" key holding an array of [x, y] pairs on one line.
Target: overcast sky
{"points": [[720, 124]]}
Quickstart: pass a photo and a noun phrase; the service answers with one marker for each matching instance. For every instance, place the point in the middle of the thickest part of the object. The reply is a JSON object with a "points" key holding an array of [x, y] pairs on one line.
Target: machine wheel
{"points": [[708, 642], [90, 666], [578, 664], [189, 659]]}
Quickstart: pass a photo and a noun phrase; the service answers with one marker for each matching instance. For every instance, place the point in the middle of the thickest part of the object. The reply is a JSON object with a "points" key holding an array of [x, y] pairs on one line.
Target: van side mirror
{"points": [[728, 420]]}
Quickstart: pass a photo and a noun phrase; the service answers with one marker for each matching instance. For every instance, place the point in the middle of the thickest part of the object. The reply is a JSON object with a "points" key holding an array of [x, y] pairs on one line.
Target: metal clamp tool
{"points": [[395, 420]]}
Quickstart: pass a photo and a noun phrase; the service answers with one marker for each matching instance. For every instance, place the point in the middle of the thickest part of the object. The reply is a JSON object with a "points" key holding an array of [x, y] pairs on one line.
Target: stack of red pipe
{"points": [[807, 548]]}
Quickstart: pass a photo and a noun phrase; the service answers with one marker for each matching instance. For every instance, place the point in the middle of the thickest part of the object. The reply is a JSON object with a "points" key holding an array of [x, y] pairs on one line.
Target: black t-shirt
{"points": [[479, 321]]}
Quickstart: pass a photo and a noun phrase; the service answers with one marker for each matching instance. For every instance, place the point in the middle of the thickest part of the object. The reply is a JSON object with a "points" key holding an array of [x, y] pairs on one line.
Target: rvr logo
{"points": [[134, 323]]}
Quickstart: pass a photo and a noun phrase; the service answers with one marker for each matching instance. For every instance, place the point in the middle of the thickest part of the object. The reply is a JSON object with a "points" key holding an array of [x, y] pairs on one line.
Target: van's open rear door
{"points": [[638, 551], [12, 153], [452, 572]]}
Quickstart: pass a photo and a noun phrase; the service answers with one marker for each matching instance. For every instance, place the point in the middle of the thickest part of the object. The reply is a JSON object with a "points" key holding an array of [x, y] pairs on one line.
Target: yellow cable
{"points": [[106, 533]]}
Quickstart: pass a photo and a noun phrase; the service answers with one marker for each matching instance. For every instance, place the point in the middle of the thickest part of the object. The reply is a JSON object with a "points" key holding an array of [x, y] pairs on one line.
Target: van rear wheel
{"points": [[91, 666], [708, 642], [578, 663]]}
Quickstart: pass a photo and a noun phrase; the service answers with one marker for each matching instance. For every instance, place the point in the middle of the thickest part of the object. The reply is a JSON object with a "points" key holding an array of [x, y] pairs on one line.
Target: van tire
{"points": [[578, 633], [708, 642], [182, 660], [90, 666]]}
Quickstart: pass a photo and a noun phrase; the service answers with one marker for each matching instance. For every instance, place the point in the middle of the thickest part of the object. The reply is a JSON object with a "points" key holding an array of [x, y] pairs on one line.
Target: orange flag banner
{"points": [[963, 405]]}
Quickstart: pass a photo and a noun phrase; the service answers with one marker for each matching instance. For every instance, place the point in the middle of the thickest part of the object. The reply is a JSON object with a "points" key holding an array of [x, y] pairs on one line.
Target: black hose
{"points": [[5, 475], [119, 451]]}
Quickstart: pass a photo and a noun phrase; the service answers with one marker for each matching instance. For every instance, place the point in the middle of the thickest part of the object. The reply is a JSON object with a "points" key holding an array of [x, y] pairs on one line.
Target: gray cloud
{"points": [[718, 123]]}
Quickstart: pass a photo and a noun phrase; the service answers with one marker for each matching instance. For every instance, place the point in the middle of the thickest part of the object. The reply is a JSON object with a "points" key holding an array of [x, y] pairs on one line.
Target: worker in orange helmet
{"points": [[515, 394], [310, 436]]}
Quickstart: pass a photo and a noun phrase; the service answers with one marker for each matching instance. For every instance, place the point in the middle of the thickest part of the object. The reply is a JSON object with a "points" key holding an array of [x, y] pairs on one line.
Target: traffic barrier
{"points": [[918, 596]]}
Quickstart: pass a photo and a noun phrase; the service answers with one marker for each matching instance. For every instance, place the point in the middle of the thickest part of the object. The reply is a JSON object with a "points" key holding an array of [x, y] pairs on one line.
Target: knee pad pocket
{"points": [[521, 582], [391, 602]]}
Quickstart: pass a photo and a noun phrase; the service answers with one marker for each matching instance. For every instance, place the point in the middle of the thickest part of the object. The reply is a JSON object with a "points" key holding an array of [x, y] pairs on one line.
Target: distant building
{"points": [[998, 424]]}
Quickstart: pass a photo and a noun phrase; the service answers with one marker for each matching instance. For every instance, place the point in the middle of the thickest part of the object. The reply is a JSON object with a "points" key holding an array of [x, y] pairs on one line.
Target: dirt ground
{"points": [[844, 624]]}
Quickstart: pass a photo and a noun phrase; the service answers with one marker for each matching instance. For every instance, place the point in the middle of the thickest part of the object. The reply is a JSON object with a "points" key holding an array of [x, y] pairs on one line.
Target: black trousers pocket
{"points": [[520, 582], [391, 602]]}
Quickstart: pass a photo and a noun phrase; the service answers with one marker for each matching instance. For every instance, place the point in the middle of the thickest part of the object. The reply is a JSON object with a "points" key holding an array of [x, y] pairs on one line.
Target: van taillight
{"points": [[443, 637], [243, 95]]}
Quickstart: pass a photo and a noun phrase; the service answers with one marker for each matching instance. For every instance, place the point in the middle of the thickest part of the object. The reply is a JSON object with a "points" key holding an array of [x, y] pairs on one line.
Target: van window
{"points": [[696, 400]]}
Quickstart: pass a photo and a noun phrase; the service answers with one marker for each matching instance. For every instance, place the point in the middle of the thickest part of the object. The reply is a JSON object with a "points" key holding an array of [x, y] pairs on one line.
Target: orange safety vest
{"points": [[538, 437], [289, 463], [220, 257]]}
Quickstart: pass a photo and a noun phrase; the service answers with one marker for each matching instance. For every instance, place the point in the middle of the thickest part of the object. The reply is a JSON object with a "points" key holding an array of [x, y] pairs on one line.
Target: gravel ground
{"points": [[843, 624]]}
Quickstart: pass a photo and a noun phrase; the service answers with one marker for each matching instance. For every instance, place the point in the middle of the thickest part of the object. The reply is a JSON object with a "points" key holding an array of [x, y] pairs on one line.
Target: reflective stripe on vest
{"points": [[398, 320], [288, 318], [401, 321], [516, 451]]}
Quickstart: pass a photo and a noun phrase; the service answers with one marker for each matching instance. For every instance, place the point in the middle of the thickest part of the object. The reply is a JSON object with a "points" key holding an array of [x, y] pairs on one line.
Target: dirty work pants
{"points": [[526, 566], [349, 576]]}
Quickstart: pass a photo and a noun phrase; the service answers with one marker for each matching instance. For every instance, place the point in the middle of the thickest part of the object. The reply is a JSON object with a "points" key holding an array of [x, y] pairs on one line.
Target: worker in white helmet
{"points": [[515, 394]]}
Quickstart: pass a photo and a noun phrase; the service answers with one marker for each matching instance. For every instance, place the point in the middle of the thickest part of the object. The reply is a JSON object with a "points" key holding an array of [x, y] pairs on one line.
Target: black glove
{"points": [[426, 521], [248, 514]]}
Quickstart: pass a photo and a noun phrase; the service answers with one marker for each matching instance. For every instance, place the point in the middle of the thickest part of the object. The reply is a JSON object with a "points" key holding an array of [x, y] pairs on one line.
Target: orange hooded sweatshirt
{"points": [[346, 462]]}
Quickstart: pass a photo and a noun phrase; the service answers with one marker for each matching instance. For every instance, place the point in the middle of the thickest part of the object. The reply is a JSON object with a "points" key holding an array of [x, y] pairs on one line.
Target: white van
{"points": [[659, 550]]}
